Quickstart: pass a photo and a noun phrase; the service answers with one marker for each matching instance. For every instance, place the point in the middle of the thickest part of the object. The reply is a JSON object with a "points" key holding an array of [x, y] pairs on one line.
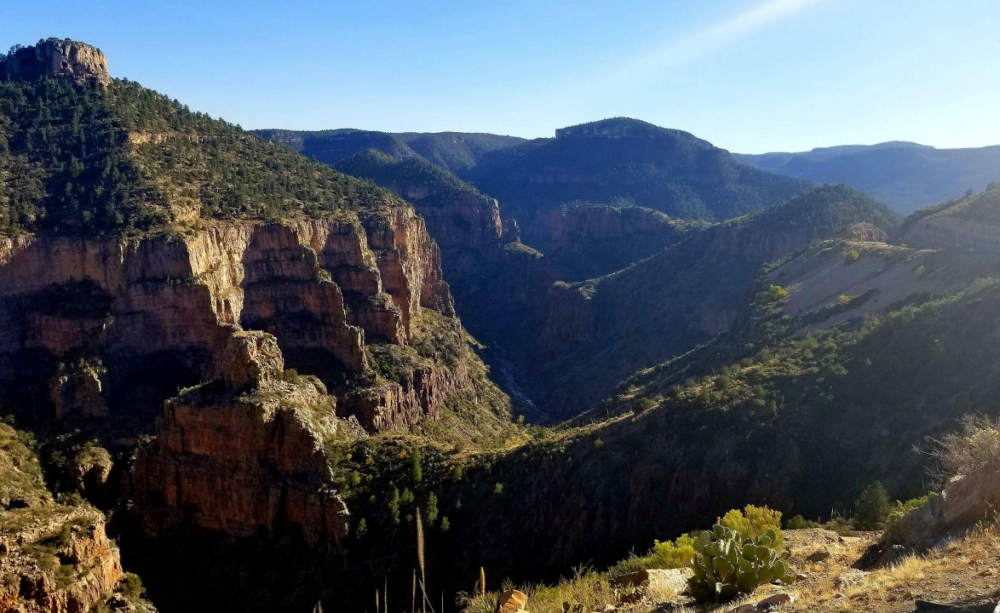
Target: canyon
{"points": [[247, 374]]}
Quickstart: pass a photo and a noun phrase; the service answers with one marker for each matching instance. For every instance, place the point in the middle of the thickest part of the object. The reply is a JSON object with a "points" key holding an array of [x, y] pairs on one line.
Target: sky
{"points": [[748, 75]]}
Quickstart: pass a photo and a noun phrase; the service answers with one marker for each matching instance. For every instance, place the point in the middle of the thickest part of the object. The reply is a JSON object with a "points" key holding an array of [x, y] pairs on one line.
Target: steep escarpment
{"points": [[264, 447], [146, 249], [140, 239], [55, 57], [585, 240], [464, 223], [86, 318]]}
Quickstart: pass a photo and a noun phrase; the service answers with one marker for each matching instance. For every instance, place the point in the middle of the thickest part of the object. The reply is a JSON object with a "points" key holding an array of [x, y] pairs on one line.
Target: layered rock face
{"points": [[83, 320], [63, 564], [57, 58], [245, 464]]}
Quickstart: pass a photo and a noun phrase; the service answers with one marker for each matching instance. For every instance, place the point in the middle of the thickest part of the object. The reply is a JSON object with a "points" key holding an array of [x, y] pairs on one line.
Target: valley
{"points": [[264, 370]]}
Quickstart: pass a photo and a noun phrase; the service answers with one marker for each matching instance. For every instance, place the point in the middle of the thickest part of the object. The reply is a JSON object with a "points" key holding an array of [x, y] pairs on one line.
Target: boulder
{"points": [[772, 602], [660, 580], [512, 601], [965, 501]]}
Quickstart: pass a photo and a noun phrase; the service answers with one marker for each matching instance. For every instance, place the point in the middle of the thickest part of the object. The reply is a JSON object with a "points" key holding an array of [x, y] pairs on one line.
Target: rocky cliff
{"points": [[83, 317], [264, 449], [55, 57], [465, 223], [54, 557]]}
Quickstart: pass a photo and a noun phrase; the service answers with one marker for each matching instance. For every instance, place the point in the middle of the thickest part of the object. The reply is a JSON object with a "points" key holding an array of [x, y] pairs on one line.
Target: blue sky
{"points": [[748, 75]]}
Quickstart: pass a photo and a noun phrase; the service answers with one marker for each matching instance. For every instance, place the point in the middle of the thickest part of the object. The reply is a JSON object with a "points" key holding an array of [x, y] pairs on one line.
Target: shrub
{"points": [[871, 509], [901, 508], [132, 586], [974, 446], [728, 563], [798, 522], [672, 554], [664, 554], [852, 255], [431, 512], [776, 292], [755, 521]]}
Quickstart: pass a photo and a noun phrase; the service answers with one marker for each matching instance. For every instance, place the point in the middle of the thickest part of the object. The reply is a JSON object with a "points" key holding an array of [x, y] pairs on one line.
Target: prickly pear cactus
{"points": [[728, 564]]}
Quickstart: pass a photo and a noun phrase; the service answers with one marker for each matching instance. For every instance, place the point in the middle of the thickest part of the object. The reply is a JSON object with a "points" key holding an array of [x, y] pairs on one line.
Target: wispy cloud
{"points": [[709, 39], [618, 77]]}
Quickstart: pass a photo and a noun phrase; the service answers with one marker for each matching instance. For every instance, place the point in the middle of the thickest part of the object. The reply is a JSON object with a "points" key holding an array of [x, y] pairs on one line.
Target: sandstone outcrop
{"points": [[54, 558], [84, 317], [55, 57], [63, 563], [965, 501], [244, 464]]}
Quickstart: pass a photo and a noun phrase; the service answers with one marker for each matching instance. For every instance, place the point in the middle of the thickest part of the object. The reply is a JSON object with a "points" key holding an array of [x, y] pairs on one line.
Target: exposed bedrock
{"points": [[84, 320]]}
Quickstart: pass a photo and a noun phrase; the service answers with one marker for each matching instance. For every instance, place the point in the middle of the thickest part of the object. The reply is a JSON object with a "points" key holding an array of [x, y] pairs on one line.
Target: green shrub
{"points": [[901, 508], [672, 554], [754, 521], [871, 509], [728, 564], [798, 522], [132, 586], [776, 292], [664, 554], [852, 255]]}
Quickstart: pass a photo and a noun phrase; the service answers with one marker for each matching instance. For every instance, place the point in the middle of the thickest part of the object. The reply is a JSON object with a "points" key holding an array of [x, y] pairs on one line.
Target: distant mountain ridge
{"points": [[621, 158], [904, 175], [454, 151], [667, 170]]}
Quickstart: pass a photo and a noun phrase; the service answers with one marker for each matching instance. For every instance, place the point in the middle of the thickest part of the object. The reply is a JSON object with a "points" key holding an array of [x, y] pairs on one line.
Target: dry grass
{"points": [[963, 571], [587, 587], [966, 570]]}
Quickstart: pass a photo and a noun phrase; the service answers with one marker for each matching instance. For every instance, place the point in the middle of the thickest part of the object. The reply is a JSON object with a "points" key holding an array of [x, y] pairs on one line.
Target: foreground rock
{"points": [[659, 582], [512, 601], [966, 501]]}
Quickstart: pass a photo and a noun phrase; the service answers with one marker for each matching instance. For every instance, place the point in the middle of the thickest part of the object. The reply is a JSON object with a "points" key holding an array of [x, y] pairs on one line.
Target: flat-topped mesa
{"points": [[54, 57]]}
